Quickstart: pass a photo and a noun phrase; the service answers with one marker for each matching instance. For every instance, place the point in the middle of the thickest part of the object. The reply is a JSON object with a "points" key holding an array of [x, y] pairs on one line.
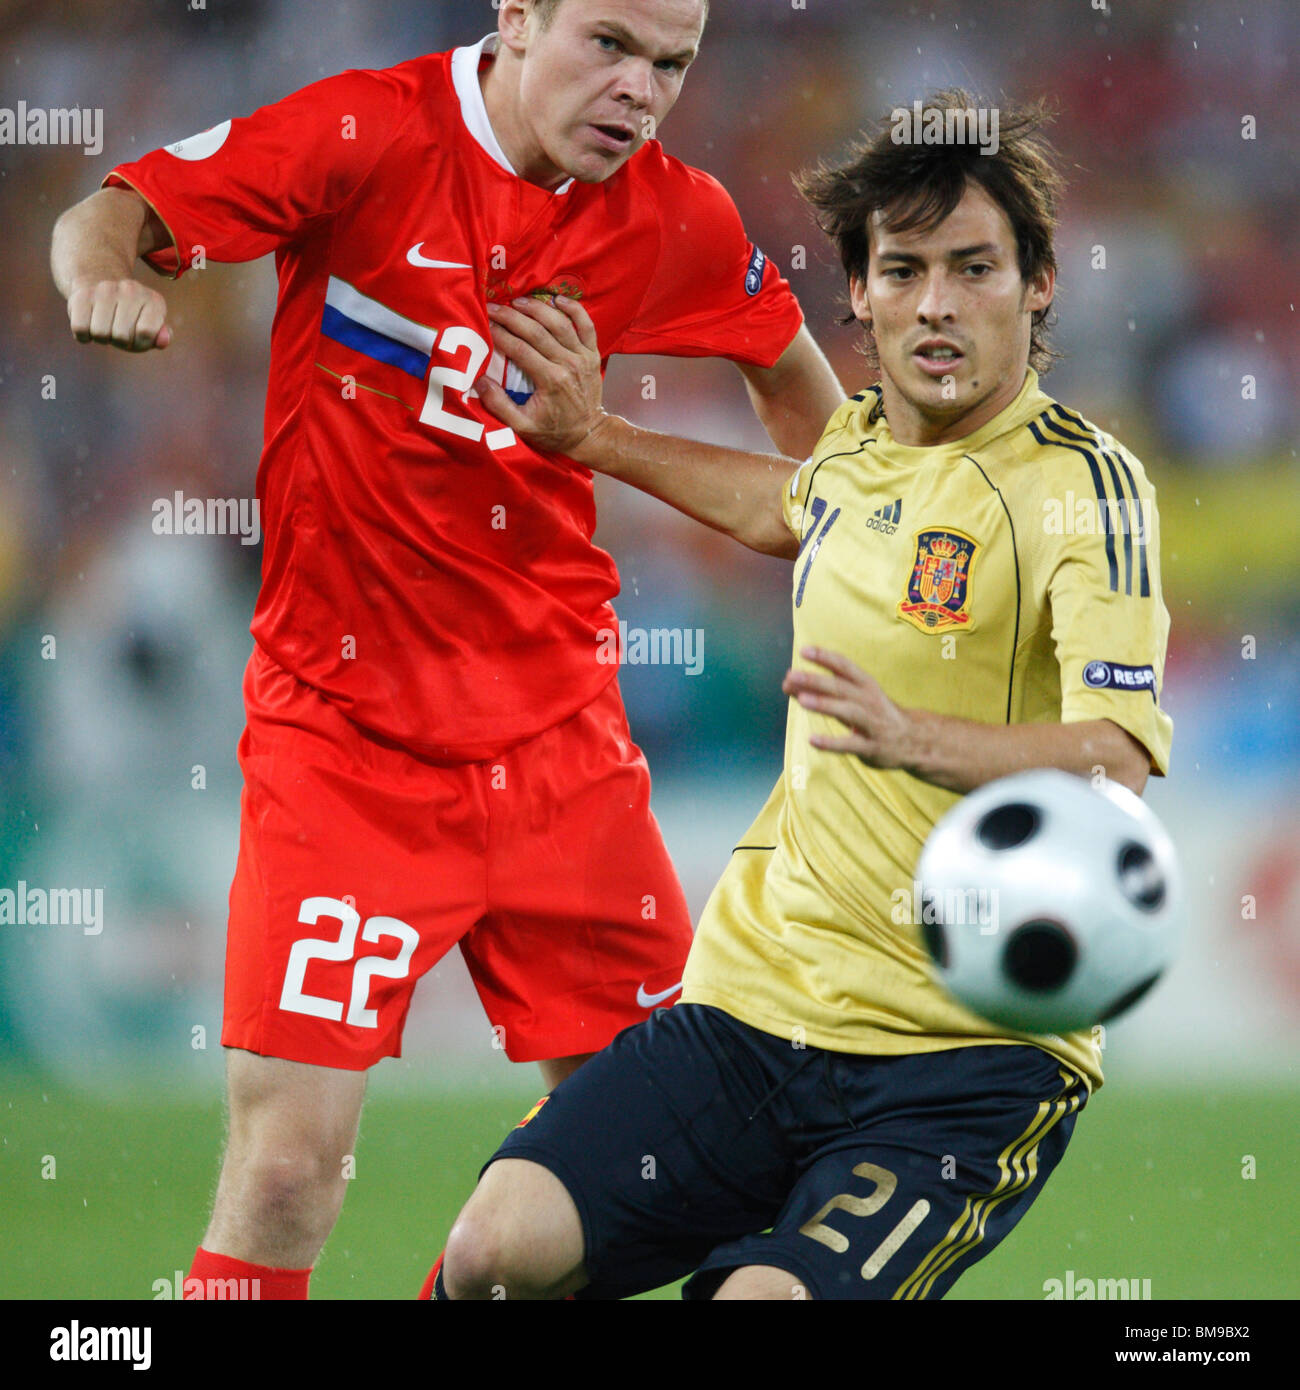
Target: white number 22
{"points": [[292, 997]]}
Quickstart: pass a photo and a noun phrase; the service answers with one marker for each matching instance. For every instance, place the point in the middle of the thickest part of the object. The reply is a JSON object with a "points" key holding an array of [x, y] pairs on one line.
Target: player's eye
{"points": [[608, 45], [979, 269], [896, 272], [670, 65]]}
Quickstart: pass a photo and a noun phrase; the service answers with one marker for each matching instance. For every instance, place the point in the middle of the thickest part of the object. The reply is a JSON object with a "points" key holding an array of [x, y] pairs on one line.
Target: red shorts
{"points": [[360, 866]]}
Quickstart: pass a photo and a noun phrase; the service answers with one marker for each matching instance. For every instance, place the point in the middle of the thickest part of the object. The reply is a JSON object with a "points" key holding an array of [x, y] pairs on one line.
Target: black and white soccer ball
{"points": [[1049, 904]]}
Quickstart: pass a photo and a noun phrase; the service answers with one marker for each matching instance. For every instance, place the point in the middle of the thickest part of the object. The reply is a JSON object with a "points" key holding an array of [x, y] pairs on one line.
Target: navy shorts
{"points": [[696, 1144]]}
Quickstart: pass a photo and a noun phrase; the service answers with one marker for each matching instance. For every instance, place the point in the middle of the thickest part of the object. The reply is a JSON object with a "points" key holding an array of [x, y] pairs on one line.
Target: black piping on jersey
{"points": [[1144, 579], [847, 453], [878, 409], [1015, 550], [1113, 458], [805, 536], [1127, 522], [812, 477], [1098, 485]]}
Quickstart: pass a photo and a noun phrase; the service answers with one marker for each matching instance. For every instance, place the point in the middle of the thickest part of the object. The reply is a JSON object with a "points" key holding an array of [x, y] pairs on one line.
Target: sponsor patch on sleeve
{"points": [[754, 275], [1111, 675]]}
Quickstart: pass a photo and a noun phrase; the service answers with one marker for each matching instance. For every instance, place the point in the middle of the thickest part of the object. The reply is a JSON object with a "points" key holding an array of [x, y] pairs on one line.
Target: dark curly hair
{"points": [[915, 186]]}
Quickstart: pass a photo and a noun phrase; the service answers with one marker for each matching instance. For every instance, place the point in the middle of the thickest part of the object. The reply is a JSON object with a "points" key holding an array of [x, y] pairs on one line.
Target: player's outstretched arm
{"points": [[795, 398], [731, 491], [959, 754], [93, 256]]}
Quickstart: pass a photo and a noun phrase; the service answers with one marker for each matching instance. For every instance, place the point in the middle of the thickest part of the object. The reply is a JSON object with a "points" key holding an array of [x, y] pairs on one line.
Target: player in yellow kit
{"points": [[933, 567], [817, 1118]]}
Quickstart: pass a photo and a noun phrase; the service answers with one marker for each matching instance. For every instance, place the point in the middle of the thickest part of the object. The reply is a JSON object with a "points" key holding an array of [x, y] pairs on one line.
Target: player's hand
{"points": [[882, 733], [556, 345], [123, 313]]}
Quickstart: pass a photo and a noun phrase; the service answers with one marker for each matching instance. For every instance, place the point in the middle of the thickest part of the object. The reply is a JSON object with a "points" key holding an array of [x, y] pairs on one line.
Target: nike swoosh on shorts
{"points": [[648, 1001]]}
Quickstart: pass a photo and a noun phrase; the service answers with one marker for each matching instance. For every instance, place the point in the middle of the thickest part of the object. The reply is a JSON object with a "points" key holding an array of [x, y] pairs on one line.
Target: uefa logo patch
{"points": [[754, 275], [1110, 675]]}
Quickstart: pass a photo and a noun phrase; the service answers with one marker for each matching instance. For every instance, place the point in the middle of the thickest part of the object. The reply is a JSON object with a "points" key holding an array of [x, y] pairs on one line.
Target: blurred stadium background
{"points": [[1184, 1168]]}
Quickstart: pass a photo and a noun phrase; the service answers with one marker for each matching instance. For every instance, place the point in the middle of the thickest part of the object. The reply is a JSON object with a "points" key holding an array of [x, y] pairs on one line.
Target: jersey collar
{"points": [[465, 64], [1029, 402]]}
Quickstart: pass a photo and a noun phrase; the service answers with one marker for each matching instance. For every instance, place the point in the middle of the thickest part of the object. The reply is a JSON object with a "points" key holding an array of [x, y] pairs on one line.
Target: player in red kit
{"points": [[436, 751]]}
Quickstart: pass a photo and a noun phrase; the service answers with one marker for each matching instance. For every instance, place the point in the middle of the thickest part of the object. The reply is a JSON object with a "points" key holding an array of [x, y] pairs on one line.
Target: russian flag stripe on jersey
{"points": [[519, 385], [371, 328]]}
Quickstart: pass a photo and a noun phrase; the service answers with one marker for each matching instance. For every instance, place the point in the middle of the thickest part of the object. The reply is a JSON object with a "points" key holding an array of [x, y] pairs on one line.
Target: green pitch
{"points": [[1155, 1186]]}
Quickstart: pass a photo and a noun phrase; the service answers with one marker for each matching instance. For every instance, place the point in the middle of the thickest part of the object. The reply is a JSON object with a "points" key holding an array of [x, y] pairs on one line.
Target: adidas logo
{"points": [[887, 518]]}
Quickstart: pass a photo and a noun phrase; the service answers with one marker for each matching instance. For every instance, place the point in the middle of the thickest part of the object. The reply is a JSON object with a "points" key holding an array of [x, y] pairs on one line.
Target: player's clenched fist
{"points": [[122, 313], [556, 346]]}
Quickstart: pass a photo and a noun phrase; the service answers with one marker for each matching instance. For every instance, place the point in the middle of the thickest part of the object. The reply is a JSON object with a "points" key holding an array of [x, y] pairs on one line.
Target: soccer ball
{"points": [[1047, 904]]}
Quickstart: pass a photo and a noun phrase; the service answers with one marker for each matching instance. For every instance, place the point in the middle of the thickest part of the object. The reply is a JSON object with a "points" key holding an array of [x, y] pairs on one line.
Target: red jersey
{"points": [[426, 571]]}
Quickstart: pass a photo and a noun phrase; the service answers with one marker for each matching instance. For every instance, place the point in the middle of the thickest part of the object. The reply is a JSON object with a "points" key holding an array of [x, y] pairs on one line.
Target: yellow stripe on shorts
{"points": [[1018, 1164]]}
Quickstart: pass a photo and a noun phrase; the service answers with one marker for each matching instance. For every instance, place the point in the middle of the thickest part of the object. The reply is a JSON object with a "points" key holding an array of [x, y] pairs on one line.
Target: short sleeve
{"points": [[253, 184], [1110, 626], [794, 498], [712, 293], [794, 493]]}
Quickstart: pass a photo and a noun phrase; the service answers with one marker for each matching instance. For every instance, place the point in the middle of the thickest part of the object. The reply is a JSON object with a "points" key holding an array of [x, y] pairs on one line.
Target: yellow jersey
{"points": [[1009, 577]]}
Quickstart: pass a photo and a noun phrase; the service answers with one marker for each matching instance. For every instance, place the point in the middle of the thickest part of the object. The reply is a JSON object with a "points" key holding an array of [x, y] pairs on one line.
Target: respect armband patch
{"points": [[1111, 675], [754, 275]]}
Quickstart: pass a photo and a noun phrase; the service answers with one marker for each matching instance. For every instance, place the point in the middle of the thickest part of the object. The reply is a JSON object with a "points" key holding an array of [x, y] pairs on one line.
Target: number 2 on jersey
{"points": [[435, 414]]}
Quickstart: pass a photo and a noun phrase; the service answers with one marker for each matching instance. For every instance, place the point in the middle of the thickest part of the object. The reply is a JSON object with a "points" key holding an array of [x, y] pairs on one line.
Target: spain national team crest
{"points": [[938, 592]]}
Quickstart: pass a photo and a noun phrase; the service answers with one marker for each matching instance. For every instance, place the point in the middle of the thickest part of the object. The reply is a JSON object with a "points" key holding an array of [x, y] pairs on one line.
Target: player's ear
{"points": [[512, 24], [1040, 290], [858, 299]]}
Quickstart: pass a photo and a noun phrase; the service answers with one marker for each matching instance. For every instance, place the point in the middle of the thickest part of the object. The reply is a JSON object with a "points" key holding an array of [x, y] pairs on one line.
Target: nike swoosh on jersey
{"points": [[413, 255], [648, 1001]]}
